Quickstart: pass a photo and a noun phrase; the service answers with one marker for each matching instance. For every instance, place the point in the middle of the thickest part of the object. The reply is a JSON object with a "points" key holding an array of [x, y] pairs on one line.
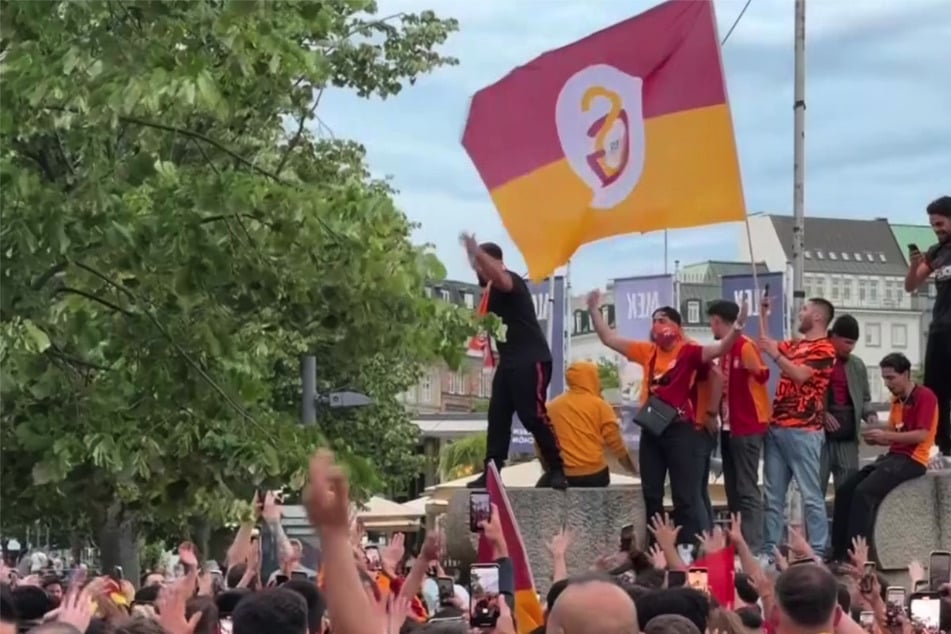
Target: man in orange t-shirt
{"points": [[793, 444], [909, 436], [671, 364], [745, 413]]}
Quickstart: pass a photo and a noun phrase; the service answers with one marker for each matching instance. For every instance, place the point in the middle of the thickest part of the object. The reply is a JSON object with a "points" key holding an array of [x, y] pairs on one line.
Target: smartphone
{"points": [[627, 538], [926, 611], [939, 569], [867, 583], [480, 510], [676, 578], [922, 585], [447, 590], [867, 620], [77, 578], [484, 595], [698, 579], [280, 579], [298, 574], [373, 557], [117, 573], [913, 248], [894, 604]]}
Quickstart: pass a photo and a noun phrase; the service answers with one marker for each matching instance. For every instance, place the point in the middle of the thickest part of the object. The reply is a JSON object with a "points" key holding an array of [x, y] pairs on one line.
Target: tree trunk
{"points": [[118, 544]]}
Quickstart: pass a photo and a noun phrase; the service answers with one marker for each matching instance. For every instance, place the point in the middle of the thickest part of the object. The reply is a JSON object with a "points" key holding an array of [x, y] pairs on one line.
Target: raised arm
{"points": [[608, 337], [719, 348], [490, 268], [919, 268]]}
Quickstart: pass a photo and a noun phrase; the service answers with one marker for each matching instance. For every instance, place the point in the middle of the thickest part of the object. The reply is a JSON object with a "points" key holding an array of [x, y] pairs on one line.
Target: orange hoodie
{"points": [[585, 423]]}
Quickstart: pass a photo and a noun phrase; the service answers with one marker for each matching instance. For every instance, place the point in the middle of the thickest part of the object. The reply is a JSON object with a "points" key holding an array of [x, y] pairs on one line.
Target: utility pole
{"points": [[310, 398], [799, 160]]}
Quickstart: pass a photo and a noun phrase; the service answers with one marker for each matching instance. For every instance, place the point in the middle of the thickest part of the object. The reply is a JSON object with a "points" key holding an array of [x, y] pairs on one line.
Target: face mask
{"points": [[665, 335]]}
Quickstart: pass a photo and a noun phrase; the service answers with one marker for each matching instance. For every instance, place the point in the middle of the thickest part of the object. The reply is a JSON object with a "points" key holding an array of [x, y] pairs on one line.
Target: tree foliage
{"points": [[175, 236], [608, 374], [462, 457]]}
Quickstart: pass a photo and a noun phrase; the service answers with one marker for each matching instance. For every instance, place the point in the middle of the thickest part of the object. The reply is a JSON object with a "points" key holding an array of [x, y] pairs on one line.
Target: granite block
{"points": [[595, 516], [942, 482], [907, 526]]}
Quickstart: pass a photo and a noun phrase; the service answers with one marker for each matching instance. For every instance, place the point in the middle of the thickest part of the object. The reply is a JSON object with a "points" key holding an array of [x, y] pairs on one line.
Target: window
{"points": [[899, 336], [846, 289], [462, 383], [863, 291], [858, 256], [873, 335], [807, 255], [870, 257], [693, 312], [444, 294], [807, 285], [426, 389], [836, 288], [881, 257], [818, 255], [873, 291], [485, 383], [469, 300], [832, 255], [845, 256]]}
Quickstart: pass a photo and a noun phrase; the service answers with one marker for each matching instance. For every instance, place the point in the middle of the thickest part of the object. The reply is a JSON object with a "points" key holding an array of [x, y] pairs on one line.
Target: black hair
{"points": [[492, 249], [844, 598], [651, 578], [148, 594], [724, 309], [686, 602], [51, 580], [751, 617], [745, 588], [31, 603], [8, 610], [896, 361], [670, 313], [826, 307], [228, 600], [554, 591], [316, 605], [273, 610], [847, 327], [208, 622], [940, 207], [807, 594], [670, 624]]}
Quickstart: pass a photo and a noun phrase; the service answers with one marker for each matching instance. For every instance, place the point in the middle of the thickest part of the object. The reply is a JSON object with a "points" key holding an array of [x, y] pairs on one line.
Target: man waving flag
{"points": [[628, 130]]}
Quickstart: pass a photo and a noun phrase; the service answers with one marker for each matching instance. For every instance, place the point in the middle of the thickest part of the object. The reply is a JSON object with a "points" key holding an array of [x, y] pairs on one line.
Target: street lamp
{"points": [[310, 398]]}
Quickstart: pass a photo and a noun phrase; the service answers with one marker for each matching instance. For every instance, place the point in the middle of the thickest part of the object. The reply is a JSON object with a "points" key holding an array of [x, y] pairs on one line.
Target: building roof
{"points": [[456, 290], [921, 235], [841, 245], [713, 270]]}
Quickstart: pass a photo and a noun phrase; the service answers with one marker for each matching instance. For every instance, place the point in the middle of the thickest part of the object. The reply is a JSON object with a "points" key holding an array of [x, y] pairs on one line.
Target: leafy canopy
{"points": [[175, 236]]}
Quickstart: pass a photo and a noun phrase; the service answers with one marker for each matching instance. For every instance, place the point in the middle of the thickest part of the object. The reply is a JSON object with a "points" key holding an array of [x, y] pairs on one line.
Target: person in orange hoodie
{"points": [[586, 426]]}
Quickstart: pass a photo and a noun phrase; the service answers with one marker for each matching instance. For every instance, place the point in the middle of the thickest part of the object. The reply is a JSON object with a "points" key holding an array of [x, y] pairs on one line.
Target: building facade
{"points": [[859, 267]]}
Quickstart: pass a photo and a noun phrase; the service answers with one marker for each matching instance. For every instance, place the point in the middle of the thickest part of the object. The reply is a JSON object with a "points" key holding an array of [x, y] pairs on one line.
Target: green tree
{"points": [[175, 236], [608, 374], [462, 457]]}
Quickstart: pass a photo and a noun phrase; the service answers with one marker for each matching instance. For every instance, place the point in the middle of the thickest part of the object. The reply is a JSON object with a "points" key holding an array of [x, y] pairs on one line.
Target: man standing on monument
{"points": [[520, 384], [937, 261]]}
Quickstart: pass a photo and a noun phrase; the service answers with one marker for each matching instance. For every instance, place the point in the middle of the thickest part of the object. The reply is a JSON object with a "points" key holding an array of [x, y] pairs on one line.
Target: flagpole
{"points": [[665, 251], [566, 323], [799, 149], [551, 319]]}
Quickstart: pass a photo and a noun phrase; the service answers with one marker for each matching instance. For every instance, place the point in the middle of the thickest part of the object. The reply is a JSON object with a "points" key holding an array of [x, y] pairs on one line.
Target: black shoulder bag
{"points": [[655, 416]]}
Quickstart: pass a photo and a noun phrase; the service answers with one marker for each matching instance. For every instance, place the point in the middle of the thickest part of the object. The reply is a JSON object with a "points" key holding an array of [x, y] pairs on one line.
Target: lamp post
{"points": [[310, 398]]}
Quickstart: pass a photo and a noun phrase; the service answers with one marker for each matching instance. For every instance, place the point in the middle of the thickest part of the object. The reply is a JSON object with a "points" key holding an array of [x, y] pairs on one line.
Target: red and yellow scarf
{"points": [[482, 343]]}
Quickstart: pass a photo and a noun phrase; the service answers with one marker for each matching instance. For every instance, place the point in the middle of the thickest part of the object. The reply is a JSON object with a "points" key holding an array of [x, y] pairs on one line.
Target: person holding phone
{"points": [[520, 382], [909, 436], [936, 261], [672, 442]]}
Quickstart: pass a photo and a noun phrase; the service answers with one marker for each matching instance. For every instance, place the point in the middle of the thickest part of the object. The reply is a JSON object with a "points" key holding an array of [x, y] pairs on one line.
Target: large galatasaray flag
{"points": [[528, 611], [627, 130]]}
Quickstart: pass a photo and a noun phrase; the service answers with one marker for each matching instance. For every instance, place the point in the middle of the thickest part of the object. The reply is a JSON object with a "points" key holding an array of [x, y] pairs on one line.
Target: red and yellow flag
{"points": [[628, 130], [528, 612]]}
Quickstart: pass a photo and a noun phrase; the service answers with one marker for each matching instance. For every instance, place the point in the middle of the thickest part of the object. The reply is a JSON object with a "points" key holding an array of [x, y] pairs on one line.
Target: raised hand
{"points": [[558, 545], [328, 494], [391, 556], [664, 530]]}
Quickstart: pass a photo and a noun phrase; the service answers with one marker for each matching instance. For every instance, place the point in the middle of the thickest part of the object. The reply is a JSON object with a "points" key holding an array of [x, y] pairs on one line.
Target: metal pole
{"points": [[551, 321], [665, 252], [677, 285], [568, 317], [799, 159], [308, 380]]}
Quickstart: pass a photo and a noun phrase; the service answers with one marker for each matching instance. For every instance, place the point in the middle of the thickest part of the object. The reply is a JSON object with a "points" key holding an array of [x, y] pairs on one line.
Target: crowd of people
{"points": [[696, 397], [726, 589]]}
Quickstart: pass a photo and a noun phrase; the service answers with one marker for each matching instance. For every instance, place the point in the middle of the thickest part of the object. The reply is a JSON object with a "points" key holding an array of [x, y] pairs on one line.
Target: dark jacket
{"points": [[859, 391]]}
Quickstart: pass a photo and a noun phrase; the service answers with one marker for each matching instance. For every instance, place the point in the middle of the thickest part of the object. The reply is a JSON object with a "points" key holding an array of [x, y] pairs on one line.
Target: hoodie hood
{"points": [[582, 376]]}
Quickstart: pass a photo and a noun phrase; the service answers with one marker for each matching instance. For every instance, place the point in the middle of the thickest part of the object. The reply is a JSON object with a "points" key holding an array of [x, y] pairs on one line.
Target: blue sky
{"points": [[878, 128]]}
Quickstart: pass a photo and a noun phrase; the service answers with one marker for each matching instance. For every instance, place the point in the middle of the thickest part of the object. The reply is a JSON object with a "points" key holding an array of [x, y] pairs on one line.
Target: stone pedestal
{"points": [[594, 515], [913, 520]]}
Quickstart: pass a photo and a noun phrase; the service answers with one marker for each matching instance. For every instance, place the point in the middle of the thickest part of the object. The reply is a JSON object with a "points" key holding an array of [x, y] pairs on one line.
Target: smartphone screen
{"points": [[913, 248], [484, 595], [697, 578], [297, 574], [117, 573], [939, 569], [926, 614], [373, 557], [676, 578], [280, 579], [627, 538], [895, 596], [867, 621], [480, 510], [447, 590]]}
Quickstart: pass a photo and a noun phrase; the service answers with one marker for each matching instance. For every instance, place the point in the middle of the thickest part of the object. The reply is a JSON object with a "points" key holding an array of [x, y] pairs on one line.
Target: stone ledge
{"points": [[913, 520], [594, 515]]}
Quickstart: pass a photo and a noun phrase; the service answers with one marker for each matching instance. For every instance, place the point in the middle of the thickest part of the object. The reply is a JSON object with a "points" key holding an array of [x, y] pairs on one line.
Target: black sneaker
{"points": [[557, 480], [478, 483]]}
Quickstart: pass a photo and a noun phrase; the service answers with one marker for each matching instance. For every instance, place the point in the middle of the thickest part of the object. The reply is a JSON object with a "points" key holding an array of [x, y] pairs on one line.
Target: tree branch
{"points": [[41, 281], [93, 298], [68, 358], [304, 118]]}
